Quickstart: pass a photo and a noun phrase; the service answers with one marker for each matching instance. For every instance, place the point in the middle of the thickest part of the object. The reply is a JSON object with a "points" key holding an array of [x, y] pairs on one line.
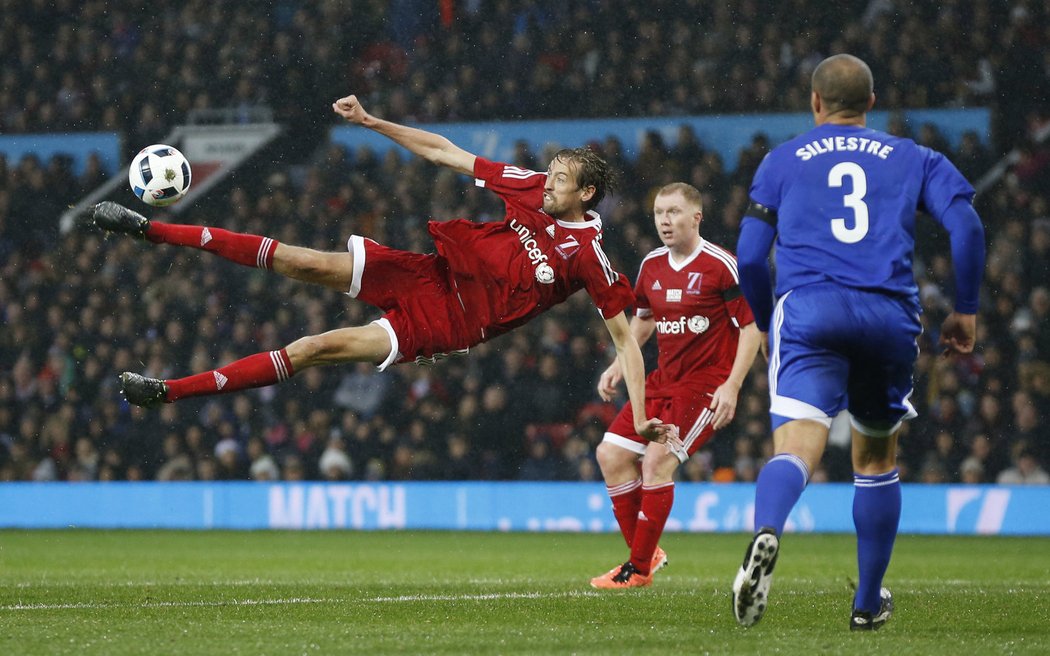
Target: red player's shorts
{"points": [[423, 312], [691, 413]]}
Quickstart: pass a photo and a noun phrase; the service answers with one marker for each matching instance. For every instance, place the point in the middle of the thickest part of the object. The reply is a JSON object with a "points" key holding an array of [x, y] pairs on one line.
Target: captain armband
{"points": [[731, 293], [762, 213]]}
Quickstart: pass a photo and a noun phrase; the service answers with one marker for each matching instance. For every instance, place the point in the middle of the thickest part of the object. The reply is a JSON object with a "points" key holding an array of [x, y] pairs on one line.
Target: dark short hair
{"points": [[844, 83], [591, 170]]}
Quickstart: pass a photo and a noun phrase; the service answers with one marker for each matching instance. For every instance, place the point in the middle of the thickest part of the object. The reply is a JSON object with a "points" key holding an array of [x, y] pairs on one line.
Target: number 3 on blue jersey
{"points": [[854, 201]]}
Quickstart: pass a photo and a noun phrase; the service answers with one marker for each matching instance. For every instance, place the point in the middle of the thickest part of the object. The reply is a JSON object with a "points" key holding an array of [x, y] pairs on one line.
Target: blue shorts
{"points": [[834, 348]]}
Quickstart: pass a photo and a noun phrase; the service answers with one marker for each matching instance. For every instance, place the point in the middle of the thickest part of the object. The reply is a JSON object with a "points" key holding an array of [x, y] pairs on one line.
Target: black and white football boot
{"points": [[751, 587], [862, 620], [142, 391], [113, 217]]}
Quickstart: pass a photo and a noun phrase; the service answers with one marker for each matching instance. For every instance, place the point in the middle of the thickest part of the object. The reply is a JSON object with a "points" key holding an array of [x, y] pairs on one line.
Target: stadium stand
{"points": [[78, 308]]}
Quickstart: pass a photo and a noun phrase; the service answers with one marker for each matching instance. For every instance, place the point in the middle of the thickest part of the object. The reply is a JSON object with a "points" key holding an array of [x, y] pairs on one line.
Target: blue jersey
{"points": [[845, 199]]}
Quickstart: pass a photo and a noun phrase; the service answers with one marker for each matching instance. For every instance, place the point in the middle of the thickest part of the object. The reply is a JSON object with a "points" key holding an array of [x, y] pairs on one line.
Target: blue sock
{"points": [[780, 484], [876, 515]]}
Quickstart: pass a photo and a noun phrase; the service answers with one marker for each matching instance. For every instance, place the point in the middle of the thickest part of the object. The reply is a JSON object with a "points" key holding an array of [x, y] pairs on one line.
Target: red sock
{"points": [[257, 370], [249, 250], [627, 501], [656, 507]]}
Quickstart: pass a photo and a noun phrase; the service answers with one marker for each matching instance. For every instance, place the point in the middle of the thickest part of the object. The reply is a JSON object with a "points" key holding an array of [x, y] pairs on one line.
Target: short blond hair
{"points": [[690, 193]]}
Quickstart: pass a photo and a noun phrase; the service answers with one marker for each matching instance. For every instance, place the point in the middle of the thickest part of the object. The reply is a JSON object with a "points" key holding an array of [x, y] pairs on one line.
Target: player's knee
{"points": [[309, 265], [873, 461], [315, 350], [612, 458], [603, 454], [304, 263], [658, 465]]}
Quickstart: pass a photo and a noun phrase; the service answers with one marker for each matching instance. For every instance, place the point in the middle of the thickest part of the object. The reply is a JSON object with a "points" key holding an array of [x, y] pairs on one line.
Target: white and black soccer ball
{"points": [[159, 175]]}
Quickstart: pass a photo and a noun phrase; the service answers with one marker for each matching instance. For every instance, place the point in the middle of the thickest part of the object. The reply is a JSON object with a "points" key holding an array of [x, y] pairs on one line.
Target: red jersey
{"points": [[698, 310], [508, 272]]}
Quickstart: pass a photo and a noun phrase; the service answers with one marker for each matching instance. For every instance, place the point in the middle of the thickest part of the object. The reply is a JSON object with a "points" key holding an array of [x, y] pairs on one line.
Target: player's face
{"points": [[562, 196], [677, 221]]}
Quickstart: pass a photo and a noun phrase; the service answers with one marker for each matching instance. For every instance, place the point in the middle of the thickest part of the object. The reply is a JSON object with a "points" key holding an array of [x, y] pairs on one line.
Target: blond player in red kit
{"points": [[688, 294]]}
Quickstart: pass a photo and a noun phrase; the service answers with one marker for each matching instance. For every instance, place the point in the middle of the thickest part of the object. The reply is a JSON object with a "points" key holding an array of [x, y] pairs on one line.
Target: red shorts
{"points": [[423, 311], [692, 414]]}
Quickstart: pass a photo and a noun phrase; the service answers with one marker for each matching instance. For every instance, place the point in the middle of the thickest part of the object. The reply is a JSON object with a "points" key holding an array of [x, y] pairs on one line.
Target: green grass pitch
{"points": [[145, 592]]}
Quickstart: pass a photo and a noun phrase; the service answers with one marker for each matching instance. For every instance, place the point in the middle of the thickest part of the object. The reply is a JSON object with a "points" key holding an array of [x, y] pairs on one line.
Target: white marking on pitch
{"points": [[296, 601], [171, 604], [143, 584], [480, 597]]}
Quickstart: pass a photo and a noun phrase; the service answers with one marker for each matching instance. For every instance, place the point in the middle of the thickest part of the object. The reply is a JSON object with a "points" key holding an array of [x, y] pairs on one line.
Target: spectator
{"points": [[541, 464], [230, 464], [264, 468], [458, 464], [65, 290], [1025, 471], [971, 471], [335, 464]]}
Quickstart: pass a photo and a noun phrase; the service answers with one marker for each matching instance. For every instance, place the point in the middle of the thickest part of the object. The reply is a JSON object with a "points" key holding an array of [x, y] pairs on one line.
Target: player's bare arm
{"points": [[642, 329], [723, 401], [763, 343], [958, 333], [630, 356], [431, 147]]}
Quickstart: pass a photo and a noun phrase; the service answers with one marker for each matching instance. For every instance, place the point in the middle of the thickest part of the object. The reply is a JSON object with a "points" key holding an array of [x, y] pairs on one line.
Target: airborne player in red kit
{"points": [[688, 293], [486, 279]]}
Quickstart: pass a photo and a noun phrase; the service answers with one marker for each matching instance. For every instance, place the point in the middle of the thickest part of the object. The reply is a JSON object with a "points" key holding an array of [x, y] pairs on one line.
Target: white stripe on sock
{"points": [[278, 365], [624, 488], [264, 248], [794, 460], [860, 480]]}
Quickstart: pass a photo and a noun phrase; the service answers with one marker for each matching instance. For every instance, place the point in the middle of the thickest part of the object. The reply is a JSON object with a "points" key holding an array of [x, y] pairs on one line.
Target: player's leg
{"points": [[369, 343], [879, 388], [623, 482], [693, 415], [798, 446], [876, 517], [248, 250], [807, 386], [332, 269], [619, 456], [658, 468], [807, 389]]}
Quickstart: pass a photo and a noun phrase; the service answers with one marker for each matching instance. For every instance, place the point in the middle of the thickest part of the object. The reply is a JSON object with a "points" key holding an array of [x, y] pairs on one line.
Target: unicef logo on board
{"points": [[698, 324], [545, 273]]}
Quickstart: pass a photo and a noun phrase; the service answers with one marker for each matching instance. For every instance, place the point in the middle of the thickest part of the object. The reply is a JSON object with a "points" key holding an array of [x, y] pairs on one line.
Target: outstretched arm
{"points": [[642, 329], [432, 147], [630, 357]]}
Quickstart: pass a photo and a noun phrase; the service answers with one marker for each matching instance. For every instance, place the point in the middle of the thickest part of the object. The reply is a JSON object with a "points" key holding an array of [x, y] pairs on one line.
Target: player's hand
{"points": [[674, 443], [350, 108], [655, 430], [610, 378], [958, 334], [723, 404]]}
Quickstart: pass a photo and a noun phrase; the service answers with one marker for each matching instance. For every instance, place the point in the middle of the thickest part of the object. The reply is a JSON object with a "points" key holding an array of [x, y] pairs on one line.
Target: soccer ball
{"points": [[159, 175]]}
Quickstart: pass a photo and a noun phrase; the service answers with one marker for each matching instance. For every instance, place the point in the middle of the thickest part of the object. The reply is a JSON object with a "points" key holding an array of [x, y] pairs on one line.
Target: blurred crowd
{"points": [[77, 308], [138, 68]]}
